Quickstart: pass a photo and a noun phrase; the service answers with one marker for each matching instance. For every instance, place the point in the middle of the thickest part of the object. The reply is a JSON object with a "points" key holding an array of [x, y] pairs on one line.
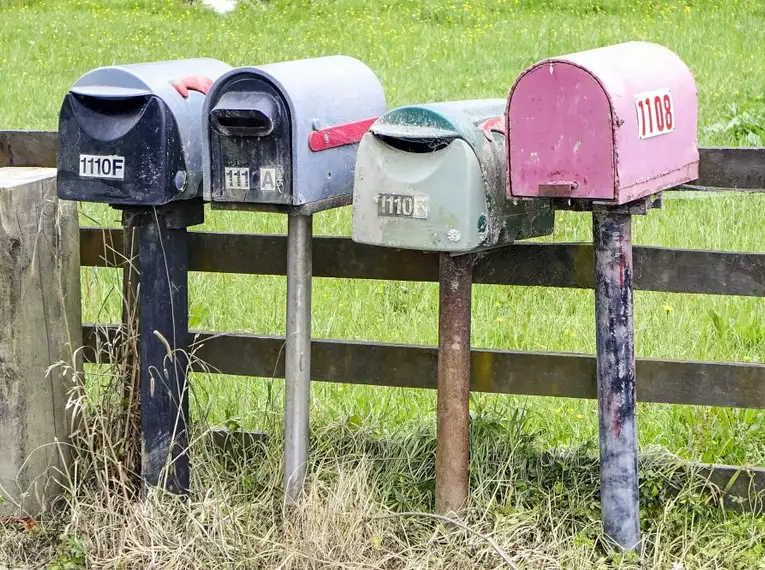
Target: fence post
{"points": [[40, 326]]}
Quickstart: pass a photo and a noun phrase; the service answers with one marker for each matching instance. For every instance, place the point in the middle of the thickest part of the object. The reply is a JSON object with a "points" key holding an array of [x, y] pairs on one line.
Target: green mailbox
{"points": [[433, 177]]}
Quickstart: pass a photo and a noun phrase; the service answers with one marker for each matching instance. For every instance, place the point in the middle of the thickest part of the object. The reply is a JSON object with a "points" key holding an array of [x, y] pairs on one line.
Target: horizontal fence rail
{"points": [[493, 371], [522, 263], [719, 168]]}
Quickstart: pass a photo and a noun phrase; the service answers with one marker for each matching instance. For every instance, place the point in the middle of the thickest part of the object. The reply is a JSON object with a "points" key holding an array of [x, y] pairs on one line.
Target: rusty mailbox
{"points": [[612, 124]]}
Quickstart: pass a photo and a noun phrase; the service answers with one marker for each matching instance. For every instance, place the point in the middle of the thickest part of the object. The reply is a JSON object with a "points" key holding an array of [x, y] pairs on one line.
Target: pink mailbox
{"points": [[612, 124]]}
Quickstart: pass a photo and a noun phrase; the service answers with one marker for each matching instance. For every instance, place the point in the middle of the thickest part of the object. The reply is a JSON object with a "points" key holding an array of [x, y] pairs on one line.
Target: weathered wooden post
{"points": [[432, 178], [607, 130], [40, 328]]}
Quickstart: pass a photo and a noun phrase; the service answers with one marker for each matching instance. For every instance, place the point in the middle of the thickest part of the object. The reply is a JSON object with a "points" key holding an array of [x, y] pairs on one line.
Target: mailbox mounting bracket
{"points": [[176, 215], [639, 207], [298, 210]]}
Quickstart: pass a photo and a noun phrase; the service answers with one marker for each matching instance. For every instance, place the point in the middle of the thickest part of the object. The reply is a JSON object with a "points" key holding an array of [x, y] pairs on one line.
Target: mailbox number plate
{"points": [[402, 206], [655, 113], [237, 178], [95, 166]]}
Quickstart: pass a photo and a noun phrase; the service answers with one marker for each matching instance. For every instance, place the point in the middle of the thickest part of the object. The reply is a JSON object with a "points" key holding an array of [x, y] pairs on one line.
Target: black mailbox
{"points": [[131, 135]]}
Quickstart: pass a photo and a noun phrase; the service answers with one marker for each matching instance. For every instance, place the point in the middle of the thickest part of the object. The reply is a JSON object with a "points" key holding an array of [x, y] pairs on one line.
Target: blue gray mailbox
{"points": [[283, 138], [131, 137]]}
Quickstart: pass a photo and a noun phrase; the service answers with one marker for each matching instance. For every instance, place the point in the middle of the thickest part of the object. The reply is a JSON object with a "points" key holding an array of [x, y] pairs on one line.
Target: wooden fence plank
{"points": [[28, 148], [719, 167], [722, 384], [532, 264], [732, 168]]}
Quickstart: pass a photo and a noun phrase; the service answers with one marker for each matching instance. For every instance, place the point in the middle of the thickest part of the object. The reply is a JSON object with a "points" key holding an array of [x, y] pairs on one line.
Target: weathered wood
{"points": [[743, 487], [731, 168], [533, 264], [494, 371], [28, 148], [719, 167], [39, 327]]}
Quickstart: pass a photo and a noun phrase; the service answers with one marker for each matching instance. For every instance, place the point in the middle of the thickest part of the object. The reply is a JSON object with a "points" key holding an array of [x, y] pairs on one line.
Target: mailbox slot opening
{"points": [[246, 114], [109, 118], [418, 143]]}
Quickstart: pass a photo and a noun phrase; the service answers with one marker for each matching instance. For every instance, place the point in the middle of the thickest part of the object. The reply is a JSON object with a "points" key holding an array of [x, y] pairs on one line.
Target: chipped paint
{"points": [[615, 346]]}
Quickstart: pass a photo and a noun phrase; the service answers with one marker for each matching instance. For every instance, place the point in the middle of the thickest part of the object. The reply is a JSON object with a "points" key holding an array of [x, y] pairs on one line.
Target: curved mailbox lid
{"points": [[142, 79], [320, 93], [155, 79], [569, 116], [450, 156]]}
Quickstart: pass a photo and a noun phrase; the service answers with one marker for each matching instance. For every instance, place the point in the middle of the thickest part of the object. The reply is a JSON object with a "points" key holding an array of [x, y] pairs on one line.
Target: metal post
{"points": [[615, 338], [163, 327], [297, 354], [452, 438]]}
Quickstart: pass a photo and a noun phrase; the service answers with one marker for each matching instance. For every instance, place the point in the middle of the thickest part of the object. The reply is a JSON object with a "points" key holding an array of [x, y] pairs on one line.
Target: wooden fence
{"points": [[724, 384]]}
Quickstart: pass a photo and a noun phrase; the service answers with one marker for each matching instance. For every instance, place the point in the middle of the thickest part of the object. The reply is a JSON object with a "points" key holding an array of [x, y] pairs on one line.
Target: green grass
{"points": [[424, 51], [430, 51]]}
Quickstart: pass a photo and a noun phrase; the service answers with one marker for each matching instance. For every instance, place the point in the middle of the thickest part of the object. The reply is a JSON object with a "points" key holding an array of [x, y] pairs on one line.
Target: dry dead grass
{"points": [[541, 509], [365, 486]]}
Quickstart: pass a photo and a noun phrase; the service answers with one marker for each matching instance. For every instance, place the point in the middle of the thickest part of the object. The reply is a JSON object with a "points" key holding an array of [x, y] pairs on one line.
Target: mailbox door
{"points": [[428, 201], [250, 134], [561, 136], [123, 150]]}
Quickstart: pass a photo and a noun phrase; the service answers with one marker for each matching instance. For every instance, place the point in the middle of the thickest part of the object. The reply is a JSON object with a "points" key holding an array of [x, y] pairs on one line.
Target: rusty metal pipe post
{"points": [[615, 339], [452, 438]]}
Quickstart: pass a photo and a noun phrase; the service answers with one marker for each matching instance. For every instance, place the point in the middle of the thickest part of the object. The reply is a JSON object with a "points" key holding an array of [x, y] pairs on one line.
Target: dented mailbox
{"points": [[612, 125], [432, 178], [131, 135], [284, 136]]}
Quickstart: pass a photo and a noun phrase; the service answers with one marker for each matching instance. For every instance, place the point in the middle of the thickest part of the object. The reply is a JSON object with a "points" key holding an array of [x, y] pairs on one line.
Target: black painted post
{"points": [[163, 293], [615, 338]]}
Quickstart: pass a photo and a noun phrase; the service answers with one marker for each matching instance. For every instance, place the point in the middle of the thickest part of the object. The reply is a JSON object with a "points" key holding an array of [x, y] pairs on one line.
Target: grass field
{"points": [[445, 50]]}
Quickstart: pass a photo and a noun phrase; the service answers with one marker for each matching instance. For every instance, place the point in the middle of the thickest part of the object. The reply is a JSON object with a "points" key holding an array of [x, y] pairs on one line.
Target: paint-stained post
{"points": [[453, 423], [297, 354], [615, 339], [164, 331]]}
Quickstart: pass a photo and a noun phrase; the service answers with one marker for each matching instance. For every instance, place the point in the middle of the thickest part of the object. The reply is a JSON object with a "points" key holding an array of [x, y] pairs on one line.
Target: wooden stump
{"points": [[40, 327]]}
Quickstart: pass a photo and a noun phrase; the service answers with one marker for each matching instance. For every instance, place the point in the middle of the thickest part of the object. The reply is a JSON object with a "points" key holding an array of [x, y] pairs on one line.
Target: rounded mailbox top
{"points": [[439, 123], [615, 124]]}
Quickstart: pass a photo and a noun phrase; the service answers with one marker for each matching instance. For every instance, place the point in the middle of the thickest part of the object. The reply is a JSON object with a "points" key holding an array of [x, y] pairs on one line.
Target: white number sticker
{"points": [[268, 179], [94, 166], [655, 113], [402, 206], [237, 178]]}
